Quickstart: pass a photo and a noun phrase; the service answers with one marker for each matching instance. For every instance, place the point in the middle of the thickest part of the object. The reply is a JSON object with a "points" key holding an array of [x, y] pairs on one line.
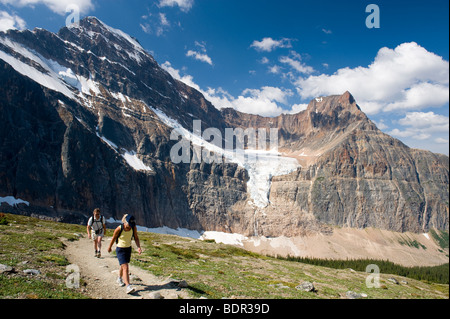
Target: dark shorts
{"points": [[124, 255]]}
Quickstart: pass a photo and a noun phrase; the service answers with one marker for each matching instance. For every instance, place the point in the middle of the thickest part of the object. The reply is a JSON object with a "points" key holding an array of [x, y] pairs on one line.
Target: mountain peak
{"points": [[91, 23], [329, 104], [95, 36], [347, 98]]}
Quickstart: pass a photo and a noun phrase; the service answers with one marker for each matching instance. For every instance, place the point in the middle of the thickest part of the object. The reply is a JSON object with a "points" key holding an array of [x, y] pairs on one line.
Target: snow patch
{"points": [[135, 162], [130, 157], [224, 238], [104, 139], [119, 96], [57, 77], [50, 80]]}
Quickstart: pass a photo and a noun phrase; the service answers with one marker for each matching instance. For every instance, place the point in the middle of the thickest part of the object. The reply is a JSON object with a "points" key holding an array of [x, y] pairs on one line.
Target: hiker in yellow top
{"points": [[122, 237]]}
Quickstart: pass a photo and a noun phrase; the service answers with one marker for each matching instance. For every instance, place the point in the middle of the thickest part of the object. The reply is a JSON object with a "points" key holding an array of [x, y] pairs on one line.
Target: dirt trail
{"points": [[101, 274]]}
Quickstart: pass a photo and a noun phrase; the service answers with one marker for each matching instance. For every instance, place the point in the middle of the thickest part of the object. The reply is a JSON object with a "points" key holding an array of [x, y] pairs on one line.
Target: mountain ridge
{"points": [[112, 110]]}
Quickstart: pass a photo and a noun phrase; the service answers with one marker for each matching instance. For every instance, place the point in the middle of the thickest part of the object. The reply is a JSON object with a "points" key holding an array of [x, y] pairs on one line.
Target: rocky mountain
{"points": [[89, 119]]}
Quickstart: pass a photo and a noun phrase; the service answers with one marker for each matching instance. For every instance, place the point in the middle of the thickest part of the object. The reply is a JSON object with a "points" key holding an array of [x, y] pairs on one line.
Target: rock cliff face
{"points": [[352, 174], [87, 117]]}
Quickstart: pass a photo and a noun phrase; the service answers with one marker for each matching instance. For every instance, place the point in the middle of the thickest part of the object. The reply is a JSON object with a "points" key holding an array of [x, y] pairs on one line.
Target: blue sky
{"points": [[267, 57]]}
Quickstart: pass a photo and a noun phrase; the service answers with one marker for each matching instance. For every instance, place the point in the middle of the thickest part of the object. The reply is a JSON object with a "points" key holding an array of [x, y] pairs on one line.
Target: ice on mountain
{"points": [[261, 165], [50, 80], [135, 162], [57, 76]]}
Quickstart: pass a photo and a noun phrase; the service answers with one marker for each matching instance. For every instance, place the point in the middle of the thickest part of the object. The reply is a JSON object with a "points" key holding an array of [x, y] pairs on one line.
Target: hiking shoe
{"points": [[96, 254], [130, 289], [99, 254], [120, 282]]}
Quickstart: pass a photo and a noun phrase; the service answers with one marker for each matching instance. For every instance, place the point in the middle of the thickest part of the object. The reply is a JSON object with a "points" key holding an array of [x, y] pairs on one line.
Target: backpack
{"points": [[101, 221], [120, 233]]}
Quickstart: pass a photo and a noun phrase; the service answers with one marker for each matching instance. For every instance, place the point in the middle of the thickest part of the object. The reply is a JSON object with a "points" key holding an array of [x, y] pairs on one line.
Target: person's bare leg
{"points": [[95, 245], [125, 274], [99, 245]]}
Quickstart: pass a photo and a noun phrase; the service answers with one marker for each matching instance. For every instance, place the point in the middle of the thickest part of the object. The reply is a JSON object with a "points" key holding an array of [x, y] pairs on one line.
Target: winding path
{"points": [[100, 275]]}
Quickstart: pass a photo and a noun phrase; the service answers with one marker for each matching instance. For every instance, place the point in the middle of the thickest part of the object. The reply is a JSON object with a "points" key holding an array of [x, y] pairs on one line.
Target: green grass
{"points": [[30, 243], [212, 270]]}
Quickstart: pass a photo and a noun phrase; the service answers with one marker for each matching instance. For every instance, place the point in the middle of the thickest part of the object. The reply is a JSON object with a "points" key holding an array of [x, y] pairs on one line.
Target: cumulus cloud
{"points": [[184, 5], [428, 121], [186, 79], [297, 108], [269, 44], [8, 21], [264, 101], [422, 126], [57, 6], [405, 78]]}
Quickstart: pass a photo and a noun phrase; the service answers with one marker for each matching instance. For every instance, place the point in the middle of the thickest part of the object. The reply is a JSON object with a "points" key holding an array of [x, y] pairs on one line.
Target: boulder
{"points": [[33, 272], [306, 286], [354, 295], [183, 284], [5, 268]]}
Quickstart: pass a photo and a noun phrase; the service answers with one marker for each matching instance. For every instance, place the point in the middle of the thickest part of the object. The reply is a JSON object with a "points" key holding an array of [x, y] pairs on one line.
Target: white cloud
{"points": [[269, 44], [406, 78], [422, 126], [381, 125], [187, 79], [269, 93], [326, 31], [200, 56], [420, 96], [185, 5], [274, 69], [155, 25], [57, 6], [264, 60], [146, 27], [297, 108], [295, 62], [163, 19], [441, 140], [430, 121], [262, 101], [8, 22]]}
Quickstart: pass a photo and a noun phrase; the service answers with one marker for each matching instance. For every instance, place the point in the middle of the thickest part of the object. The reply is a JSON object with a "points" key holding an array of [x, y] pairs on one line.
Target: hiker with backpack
{"points": [[122, 237], [96, 229]]}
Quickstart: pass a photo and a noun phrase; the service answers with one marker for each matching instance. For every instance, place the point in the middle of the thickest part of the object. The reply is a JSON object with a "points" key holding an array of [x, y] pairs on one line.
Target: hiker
{"points": [[122, 237], [96, 229]]}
